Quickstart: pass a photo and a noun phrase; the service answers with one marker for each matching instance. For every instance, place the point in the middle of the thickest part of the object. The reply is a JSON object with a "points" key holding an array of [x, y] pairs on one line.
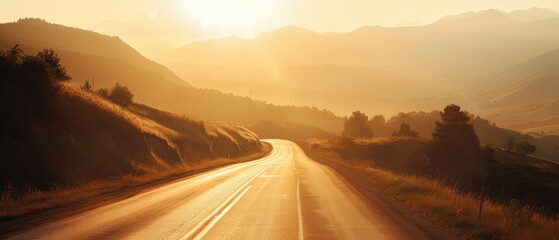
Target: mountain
{"points": [[528, 15], [30, 33], [534, 14], [87, 54], [402, 68], [446, 49]]}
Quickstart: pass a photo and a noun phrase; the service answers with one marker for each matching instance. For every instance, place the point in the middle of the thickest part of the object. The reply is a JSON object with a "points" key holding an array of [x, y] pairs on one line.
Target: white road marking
{"points": [[218, 217], [299, 213], [223, 205]]}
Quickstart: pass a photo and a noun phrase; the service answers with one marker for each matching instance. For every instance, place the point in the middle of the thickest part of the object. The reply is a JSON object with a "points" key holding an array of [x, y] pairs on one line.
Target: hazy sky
{"points": [[172, 23]]}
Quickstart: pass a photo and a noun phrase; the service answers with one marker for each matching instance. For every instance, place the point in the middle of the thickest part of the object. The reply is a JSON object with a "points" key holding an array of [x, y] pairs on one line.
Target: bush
{"points": [[405, 131], [357, 126], [119, 94], [523, 147]]}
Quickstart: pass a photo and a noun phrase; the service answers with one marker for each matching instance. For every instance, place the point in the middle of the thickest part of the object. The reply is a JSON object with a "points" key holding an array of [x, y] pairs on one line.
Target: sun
{"points": [[230, 16]]}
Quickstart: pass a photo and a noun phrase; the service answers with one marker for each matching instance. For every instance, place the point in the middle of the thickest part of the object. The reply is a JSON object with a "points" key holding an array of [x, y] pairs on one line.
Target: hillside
{"points": [[542, 64], [55, 134], [35, 34], [110, 61], [534, 88], [85, 137], [525, 96]]}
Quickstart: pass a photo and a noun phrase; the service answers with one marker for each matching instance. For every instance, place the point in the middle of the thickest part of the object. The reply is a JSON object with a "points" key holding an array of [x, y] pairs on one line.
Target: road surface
{"points": [[285, 195]]}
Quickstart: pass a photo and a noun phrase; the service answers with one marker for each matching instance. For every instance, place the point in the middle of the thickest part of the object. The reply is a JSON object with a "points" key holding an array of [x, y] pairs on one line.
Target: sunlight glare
{"points": [[240, 17]]}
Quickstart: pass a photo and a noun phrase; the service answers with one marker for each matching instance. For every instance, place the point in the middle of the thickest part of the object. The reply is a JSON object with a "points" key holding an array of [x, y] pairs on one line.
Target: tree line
{"points": [[454, 145]]}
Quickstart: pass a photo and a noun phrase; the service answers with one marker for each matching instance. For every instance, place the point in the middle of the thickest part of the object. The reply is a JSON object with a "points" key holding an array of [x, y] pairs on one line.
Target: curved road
{"points": [[285, 195]]}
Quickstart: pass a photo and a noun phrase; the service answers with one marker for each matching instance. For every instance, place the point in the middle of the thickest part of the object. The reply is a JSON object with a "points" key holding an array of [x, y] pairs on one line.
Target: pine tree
{"points": [[455, 145], [87, 87]]}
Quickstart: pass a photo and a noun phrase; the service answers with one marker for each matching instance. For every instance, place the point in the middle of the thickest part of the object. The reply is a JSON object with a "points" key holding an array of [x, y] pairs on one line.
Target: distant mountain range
{"points": [[473, 59], [529, 15]]}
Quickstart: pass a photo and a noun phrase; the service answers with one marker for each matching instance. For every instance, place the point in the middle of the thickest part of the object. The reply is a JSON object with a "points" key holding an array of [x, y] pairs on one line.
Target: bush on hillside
{"points": [[119, 94]]}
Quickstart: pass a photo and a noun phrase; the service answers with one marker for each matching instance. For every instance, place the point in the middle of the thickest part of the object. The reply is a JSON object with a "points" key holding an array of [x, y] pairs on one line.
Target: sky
{"points": [[153, 25]]}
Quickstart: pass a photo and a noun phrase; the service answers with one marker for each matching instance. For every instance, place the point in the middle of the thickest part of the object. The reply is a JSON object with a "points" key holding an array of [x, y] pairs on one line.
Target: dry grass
{"points": [[35, 200], [452, 208]]}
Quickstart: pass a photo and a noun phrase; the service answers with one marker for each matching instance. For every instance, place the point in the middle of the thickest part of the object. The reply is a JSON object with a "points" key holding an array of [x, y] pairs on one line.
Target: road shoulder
{"points": [[365, 184]]}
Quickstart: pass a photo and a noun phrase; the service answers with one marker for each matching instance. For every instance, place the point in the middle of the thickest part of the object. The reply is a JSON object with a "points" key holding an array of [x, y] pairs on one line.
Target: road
{"points": [[285, 195]]}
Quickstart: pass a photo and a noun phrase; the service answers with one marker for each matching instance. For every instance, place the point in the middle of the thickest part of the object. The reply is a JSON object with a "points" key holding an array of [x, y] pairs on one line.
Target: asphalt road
{"points": [[285, 195]]}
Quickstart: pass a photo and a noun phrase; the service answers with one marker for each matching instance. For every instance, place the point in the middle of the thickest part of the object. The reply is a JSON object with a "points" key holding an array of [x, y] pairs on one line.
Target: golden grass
{"points": [[452, 208], [35, 200]]}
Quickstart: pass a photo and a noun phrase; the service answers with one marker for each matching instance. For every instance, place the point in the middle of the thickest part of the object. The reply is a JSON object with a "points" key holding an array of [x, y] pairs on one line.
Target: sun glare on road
{"points": [[230, 17]]}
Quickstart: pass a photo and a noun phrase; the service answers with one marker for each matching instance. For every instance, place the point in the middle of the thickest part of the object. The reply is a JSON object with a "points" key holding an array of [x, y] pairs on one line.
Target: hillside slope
{"points": [[525, 98], [86, 54], [36, 33], [78, 137]]}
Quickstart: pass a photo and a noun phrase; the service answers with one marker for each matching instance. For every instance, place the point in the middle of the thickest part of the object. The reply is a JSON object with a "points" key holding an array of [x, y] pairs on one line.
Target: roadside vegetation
{"points": [[438, 178], [61, 142]]}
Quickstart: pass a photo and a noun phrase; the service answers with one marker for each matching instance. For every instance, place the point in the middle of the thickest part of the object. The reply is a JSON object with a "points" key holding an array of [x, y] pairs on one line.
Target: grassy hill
{"points": [[55, 134], [525, 99], [521, 191], [84, 137]]}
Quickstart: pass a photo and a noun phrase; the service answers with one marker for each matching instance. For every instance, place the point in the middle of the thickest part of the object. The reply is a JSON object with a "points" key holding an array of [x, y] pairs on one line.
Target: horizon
{"points": [[154, 27]]}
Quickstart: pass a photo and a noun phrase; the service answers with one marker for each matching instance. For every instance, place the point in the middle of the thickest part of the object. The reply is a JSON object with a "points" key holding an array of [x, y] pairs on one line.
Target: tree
{"points": [[52, 60], [357, 126], [510, 142], [86, 86], [103, 92], [121, 95], [455, 146], [405, 131], [524, 147], [40, 74]]}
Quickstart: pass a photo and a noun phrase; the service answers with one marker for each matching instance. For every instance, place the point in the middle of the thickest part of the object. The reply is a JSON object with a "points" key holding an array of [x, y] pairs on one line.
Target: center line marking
{"points": [[222, 208], [299, 213], [216, 219]]}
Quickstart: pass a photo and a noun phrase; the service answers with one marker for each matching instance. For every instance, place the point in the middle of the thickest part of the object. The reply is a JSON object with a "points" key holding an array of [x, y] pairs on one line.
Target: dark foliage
{"points": [[405, 131], [87, 86], [455, 146], [357, 126], [523, 147], [119, 94]]}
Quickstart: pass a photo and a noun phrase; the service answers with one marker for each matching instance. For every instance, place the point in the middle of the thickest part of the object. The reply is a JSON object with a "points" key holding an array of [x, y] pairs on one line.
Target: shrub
{"points": [[357, 126]]}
